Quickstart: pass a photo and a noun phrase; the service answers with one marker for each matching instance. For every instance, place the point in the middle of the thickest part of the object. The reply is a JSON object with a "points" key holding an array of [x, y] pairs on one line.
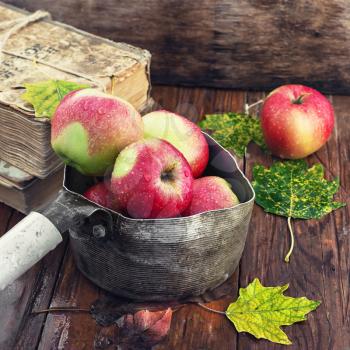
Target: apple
{"points": [[152, 179], [296, 121], [184, 135], [90, 128], [211, 193], [100, 194]]}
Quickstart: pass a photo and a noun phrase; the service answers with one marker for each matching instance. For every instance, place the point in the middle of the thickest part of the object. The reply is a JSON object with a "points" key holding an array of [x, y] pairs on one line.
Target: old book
{"points": [[24, 192], [36, 49]]}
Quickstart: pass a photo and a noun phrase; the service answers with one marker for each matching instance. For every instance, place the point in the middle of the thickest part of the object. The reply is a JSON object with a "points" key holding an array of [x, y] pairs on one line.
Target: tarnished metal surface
{"points": [[162, 259]]}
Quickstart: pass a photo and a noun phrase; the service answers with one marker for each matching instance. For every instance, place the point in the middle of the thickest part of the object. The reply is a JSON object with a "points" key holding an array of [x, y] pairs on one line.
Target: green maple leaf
{"points": [[234, 130], [261, 311], [294, 190], [46, 95]]}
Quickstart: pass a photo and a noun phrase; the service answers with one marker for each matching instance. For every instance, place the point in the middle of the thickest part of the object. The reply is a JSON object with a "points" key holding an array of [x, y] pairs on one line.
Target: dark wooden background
{"points": [[247, 44]]}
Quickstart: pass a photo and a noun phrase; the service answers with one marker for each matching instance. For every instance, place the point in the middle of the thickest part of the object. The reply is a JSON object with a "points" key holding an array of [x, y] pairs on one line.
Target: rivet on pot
{"points": [[99, 231]]}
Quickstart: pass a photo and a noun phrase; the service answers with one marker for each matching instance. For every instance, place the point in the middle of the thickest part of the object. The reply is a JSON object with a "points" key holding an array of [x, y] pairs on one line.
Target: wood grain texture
{"points": [[319, 267], [70, 330], [41, 285], [246, 44]]}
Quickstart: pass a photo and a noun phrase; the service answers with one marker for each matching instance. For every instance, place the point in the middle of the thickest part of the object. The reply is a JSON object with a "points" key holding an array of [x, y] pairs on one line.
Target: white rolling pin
{"points": [[24, 245]]}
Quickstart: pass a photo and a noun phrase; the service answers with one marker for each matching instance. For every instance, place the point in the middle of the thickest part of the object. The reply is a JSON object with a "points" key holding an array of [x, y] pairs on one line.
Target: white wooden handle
{"points": [[24, 245]]}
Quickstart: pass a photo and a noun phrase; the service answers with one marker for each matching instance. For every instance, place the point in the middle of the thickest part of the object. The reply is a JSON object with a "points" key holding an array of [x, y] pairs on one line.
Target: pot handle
{"points": [[39, 233], [24, 245]]}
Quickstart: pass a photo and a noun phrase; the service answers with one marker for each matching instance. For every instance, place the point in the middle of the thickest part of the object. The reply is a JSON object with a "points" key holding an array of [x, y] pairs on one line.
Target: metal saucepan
{"points": [[153, 259]]}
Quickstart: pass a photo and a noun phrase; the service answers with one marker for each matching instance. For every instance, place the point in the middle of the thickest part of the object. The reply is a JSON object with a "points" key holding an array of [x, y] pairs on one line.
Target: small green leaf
{"points": [[46, 95], [261, 311], [294, 190], [234, 130]]}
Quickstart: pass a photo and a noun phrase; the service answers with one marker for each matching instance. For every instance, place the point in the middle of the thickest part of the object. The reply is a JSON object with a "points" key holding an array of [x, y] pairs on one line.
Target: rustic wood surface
{"points": [[247, 44], [319, 267]]}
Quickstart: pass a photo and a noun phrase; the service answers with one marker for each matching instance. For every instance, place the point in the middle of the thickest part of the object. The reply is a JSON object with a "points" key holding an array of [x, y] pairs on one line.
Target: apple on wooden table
{"points": [[152, 179], [89, 129], [296, 121]]}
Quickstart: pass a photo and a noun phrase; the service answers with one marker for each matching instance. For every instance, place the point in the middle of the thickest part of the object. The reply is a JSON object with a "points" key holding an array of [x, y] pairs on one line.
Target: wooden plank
{"points": [[41, 284], [319, 265], [5, 215], [247, 44], [66, 330], [335, 231]]}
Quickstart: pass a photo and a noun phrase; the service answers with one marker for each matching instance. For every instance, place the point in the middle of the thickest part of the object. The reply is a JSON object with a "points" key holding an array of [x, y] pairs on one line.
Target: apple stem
{"points": [[211, 310], [299, 100], [286, 259], [247, 106]]}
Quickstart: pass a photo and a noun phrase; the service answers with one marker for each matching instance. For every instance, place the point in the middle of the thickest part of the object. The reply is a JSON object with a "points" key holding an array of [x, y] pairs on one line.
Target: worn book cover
{"points": [[35, 48], [24, 192]]}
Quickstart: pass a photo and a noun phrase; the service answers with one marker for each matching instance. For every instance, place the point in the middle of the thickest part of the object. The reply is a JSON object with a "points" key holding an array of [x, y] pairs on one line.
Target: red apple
{"points": [[152, 179], [211, 193], [296, 121], [100, 194], [182, 134], [90, 128]]}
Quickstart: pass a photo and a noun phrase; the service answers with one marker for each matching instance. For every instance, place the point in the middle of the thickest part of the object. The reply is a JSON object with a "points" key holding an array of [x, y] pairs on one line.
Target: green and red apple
{"points": [[90, 128], [296, 121], [182, 134], [152, 179], [211, 193]]}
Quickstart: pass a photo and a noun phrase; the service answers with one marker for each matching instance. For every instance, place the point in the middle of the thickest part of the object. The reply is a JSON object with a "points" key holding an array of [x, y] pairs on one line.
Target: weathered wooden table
{"points": [[319, 267]]}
